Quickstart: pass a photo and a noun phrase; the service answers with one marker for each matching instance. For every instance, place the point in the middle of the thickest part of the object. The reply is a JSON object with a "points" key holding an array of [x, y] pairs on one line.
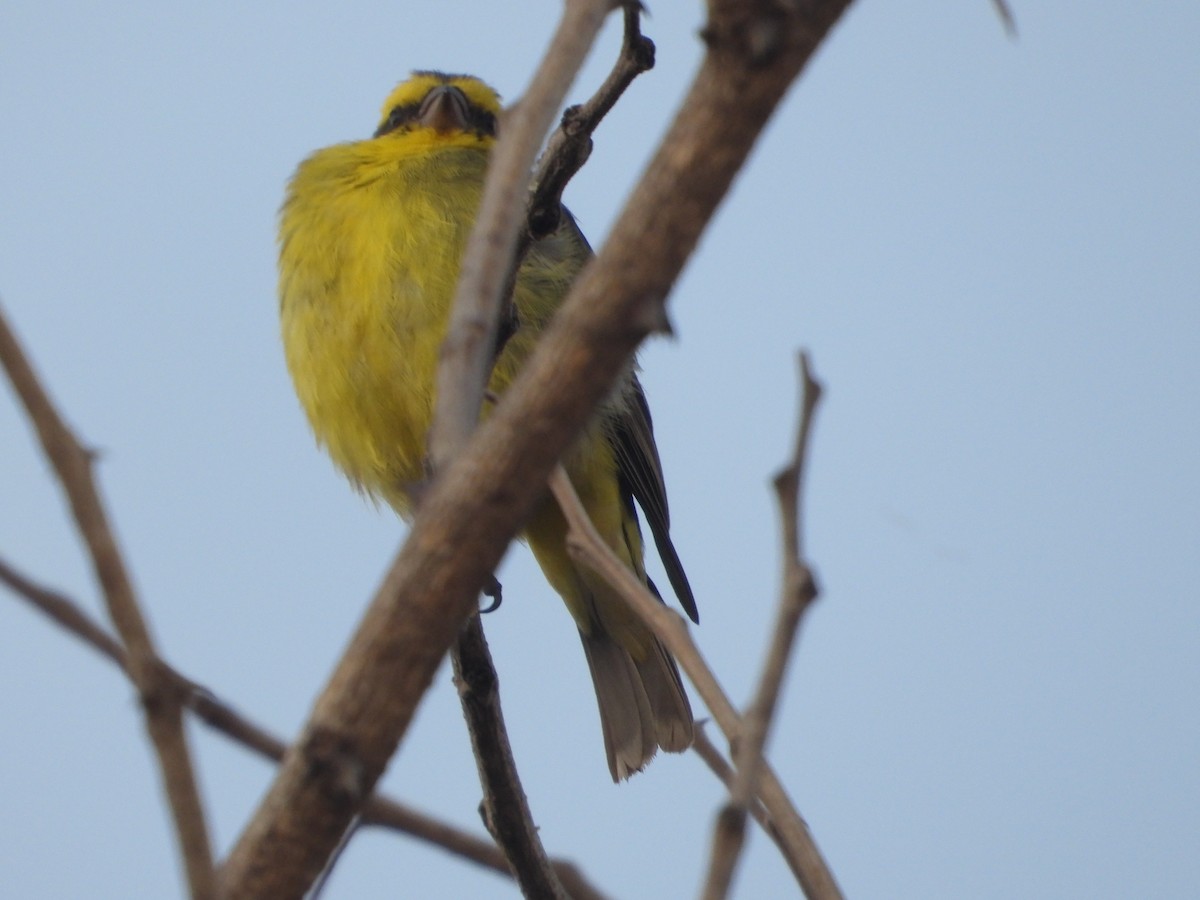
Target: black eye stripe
{"points": [[481, 121], [398, 117]]}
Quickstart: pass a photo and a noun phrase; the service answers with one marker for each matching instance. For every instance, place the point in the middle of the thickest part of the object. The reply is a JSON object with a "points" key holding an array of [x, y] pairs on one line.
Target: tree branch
{"points": [[797, 594], [467, 355], [468, 351], [571, 144], [476, 506], [505, 809], [719, 766], [161, 705], [1007, 19], [379, 810], [586, 546]]}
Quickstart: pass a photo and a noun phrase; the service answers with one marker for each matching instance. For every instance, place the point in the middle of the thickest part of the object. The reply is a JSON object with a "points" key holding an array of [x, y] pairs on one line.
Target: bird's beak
{"points": [[444, 109]]}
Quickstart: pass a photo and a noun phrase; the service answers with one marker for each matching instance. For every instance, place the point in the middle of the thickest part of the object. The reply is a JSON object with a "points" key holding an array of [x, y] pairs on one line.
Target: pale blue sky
{"points": [[992, 251]]}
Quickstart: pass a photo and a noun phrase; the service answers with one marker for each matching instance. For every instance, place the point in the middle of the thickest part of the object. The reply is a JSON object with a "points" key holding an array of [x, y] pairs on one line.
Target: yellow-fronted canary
{"points": [[372, 234]]}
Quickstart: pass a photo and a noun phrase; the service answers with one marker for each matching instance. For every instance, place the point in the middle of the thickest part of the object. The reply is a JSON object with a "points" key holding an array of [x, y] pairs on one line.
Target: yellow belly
{"points": [[369, 259]]}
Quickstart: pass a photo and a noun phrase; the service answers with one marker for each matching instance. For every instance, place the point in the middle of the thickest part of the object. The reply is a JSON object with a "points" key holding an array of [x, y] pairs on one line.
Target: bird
{"points": [[371, 238]]}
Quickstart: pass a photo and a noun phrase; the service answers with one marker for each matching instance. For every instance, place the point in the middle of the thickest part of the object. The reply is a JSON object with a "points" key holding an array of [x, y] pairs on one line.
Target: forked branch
{"points": [[587, 547], [160, 702], [798, 592], [746, 734], [379, 810]]}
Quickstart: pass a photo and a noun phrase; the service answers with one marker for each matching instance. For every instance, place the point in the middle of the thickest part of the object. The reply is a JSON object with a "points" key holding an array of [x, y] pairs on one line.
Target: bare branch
{"points": [[505, 810], [476, 505], [66, 614], [390, 814], [467, 353], [164, 721], [379, 810], [1004, 11], [571, 144], [797, 594], [719, 766], [586, 546]]}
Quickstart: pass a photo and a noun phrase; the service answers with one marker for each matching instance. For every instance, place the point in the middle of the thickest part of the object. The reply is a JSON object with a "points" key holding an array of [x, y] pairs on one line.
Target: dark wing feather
{"points": [[639, 470], [640, 474]]}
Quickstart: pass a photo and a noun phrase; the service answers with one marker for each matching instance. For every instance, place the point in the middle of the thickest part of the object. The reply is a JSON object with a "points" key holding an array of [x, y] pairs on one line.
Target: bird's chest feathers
{"points": [[378, 302]]}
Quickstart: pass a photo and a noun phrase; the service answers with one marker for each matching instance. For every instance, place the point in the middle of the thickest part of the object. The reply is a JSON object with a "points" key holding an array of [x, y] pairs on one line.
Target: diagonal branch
{"points": [[719, 766], [505, 809], [1007, 19], [160, 703], [379, 809], [571, 144], [467, 353], [798, 592], [586, 545]]}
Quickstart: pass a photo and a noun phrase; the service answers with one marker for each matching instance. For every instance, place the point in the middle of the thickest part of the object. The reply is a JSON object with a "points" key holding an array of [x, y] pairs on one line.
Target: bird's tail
{"points": [[642, 702]]}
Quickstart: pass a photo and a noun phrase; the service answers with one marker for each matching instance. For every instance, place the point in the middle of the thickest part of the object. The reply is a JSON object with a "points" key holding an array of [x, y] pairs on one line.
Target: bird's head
{"points": [[452, 106]]}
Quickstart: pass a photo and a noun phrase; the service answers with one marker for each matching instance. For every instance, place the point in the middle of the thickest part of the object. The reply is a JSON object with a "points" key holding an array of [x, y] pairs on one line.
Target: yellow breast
{"points": [[371, 238]]}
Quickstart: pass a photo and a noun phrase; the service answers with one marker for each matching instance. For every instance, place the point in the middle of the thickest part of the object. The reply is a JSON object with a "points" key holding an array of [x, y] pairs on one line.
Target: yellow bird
{"points": [[371, 236]]}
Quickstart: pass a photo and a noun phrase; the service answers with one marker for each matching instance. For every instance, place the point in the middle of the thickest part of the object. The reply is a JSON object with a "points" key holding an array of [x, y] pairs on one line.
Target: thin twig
{"points": [[467, 352], [1004, 11], [719, 766], [65, 613], [587, 547], [390, 814], [571, 144], [380, 810], [161, 705], [796, 595], [505, 809]]}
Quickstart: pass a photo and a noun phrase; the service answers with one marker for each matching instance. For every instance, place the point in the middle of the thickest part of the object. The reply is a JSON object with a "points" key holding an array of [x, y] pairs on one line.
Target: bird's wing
{"points": [[632, 435], [640, 474]]}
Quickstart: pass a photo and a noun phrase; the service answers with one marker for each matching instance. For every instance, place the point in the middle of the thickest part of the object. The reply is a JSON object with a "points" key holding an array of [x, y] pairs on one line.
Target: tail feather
{"points": [[642, 704], [668, 701]]}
